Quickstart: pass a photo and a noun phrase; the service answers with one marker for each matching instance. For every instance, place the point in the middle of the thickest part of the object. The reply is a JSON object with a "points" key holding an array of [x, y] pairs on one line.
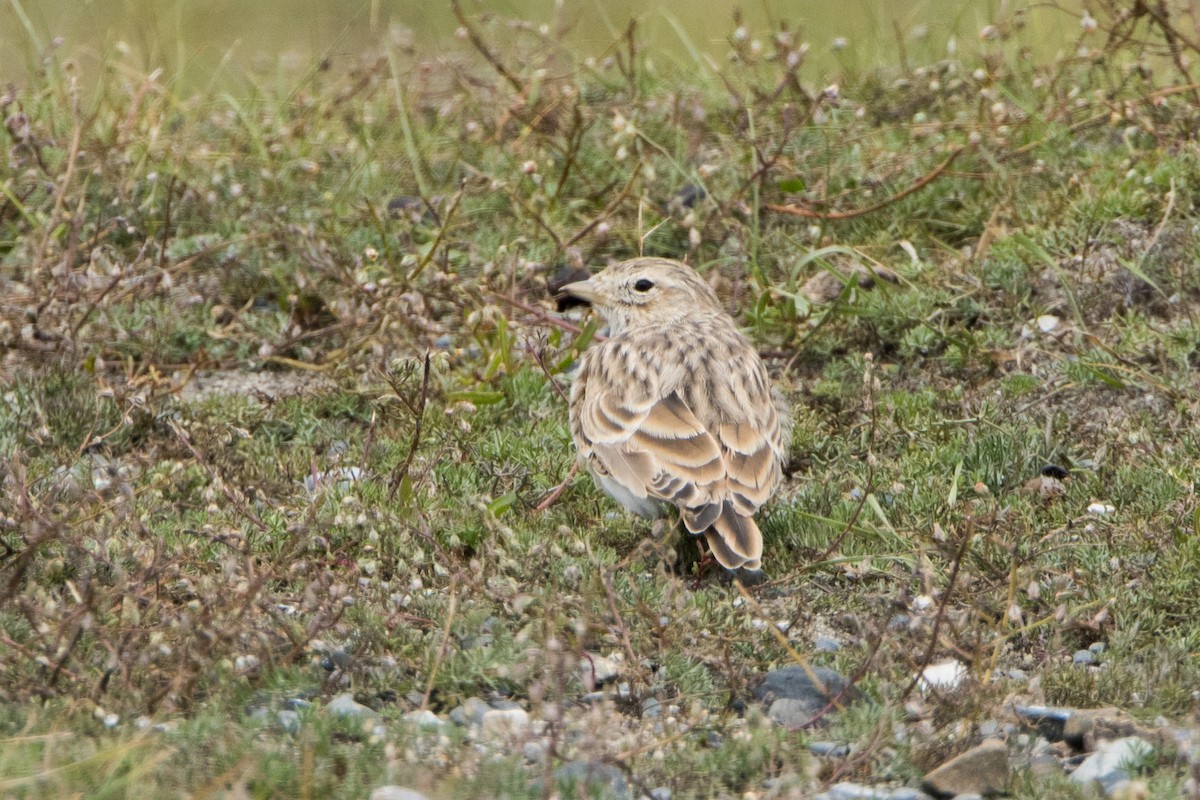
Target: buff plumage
{"points": [[676, 407]]}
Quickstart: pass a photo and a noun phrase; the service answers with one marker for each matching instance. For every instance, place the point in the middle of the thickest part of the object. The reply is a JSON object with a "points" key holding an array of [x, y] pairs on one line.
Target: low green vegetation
{"points": [[282, 404]]}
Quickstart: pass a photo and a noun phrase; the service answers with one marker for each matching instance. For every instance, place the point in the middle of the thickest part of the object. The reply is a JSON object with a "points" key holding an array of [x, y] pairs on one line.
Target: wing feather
{"points": [[634, 428]]}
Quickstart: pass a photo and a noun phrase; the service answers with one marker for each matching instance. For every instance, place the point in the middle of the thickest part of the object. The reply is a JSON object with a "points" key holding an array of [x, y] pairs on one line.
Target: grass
{"points": [[262, 439]]}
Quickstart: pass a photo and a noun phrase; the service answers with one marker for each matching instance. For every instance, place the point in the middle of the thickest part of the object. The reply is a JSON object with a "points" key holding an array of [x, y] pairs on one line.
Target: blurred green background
{"points": [[202, 42]]}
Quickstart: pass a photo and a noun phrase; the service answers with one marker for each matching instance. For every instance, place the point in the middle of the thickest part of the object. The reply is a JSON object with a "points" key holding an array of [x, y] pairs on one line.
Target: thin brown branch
{"points": [[925, 180]]}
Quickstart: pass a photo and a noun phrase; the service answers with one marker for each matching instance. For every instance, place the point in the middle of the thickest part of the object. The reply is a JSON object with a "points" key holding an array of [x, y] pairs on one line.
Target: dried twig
{"points": [[925, 180], [418, 411]]}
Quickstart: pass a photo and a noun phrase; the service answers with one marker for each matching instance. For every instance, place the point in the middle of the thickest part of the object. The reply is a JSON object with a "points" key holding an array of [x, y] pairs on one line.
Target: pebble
{"points": [[597, 670], [1107, 766], [1049, 721], [288, 720], [344, 705], [470, 713], [829, 749], [856, 791], [502, 725], [984, 769], [1083, 658], [792, 697], [424, 718], [396, 793], [590, 777], [826, 644], [944, 676]]}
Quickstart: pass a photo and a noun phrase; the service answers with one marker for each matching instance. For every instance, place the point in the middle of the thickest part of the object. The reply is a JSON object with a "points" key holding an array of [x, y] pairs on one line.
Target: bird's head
{"points": [[645, 291]]}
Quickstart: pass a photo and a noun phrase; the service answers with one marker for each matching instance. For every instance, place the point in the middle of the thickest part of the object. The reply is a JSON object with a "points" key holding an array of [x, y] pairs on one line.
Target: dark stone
{"points": [[793, 698], [564, 276], [1054, 471], [1046, 720]]}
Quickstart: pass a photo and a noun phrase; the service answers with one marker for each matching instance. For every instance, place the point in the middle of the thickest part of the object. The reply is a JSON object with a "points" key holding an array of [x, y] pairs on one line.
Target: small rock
{"points": [[1109, 765], [504, 724], [1084, 728], [396, 793], [288, 720], [1047, 323], [344, 705], [829, 749], [660, 793], [983, 769], [944, 676], [1046, 720], [826, 644], [793, 698], [1101, 509], [651, 707], [1083, 658], [534, 752], [470, 712], [856, 791], [1044, 766], [587, 778], [424, 718]]}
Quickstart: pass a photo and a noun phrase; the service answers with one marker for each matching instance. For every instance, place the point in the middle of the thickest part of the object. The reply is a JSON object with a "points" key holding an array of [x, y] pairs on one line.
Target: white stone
{"points": [[1047, 323], [396, 793], [944, 675], [1107, 764]]}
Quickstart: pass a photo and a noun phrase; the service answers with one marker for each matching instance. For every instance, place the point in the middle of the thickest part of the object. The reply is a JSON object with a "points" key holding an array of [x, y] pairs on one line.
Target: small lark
{"points": [[676, 406]]}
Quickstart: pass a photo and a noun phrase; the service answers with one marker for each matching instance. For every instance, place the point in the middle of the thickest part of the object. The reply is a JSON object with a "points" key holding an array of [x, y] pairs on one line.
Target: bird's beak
{"points": [[584, 290]]}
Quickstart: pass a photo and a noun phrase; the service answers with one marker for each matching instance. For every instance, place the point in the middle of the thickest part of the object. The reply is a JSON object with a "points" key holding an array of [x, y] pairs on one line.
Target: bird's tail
{"points": [[735, 541]]}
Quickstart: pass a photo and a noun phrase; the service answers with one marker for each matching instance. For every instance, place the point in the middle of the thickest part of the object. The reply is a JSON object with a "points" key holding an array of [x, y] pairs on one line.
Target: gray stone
{"points": [[660, 793], [533, 751], [586, 777], [597, 670], [1083, 658], [344, 705], [288, 720], [1049, 721], [470, 712], [424, 718], [396, 793], [793, 698], [856, 791], [830, 749], [1109, 765], [651, 707], [984, 769], [826, 644], [504, 725]]}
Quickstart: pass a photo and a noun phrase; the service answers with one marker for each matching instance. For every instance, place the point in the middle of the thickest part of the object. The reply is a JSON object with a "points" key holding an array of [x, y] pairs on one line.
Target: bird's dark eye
{"points": [[644, 285]]}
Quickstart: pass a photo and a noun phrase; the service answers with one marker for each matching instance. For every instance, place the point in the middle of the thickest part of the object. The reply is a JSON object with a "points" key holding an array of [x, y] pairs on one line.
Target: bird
{"points": [[675, 407]]}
